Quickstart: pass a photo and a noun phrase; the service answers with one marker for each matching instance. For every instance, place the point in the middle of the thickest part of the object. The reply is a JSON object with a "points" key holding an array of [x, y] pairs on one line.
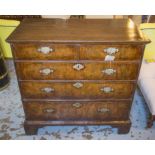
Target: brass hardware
{"points": [[46, 71], [77, 105], [107, 89], [109, 71], [45, 50], [49, 110], [109, 58], [111, 50], [78, 85], [78, 66], [103, 110], [47, 90]]}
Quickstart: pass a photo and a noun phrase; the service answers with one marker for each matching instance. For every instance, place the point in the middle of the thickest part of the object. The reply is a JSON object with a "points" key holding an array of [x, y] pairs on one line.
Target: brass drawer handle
{"points": [[109, 71], [111, 50], [103, 110], [51, 110], [47, 90], [78, 85], [107, 89], [77, 105], [45, 50], [78, 67], [46, 71]]}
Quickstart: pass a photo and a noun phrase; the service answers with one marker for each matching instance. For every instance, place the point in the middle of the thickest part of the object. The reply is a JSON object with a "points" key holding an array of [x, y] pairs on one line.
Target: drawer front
{"points": [[120, 52], [77, 71], [68, 110], [45, 52], [77, 90]]}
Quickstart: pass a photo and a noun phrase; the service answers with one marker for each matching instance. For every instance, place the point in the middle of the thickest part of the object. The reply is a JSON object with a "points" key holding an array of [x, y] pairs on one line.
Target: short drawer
{"points": [[69, 110], [118, 52], [77, 71], [45, 51], [76, 90]]}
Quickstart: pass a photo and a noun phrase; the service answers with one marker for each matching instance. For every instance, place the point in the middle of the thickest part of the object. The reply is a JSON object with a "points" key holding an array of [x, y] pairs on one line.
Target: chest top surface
{"points": [[78, 31]]}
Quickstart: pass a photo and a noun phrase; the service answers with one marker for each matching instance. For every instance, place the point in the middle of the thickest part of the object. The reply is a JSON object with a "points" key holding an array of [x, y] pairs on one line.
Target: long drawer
{"points": [[77, 90], [75, 51], [77, 70], [69, 110]]}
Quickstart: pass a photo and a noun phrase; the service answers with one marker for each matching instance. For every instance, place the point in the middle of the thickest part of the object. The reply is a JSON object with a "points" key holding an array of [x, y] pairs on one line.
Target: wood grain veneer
{"points": [[64, 76]]}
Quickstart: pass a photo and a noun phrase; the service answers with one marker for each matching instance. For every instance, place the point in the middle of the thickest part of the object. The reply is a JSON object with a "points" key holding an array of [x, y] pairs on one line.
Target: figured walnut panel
{"points": [[66, 70], [86, 111], [96, 52], [30, 52], [66, 90]]}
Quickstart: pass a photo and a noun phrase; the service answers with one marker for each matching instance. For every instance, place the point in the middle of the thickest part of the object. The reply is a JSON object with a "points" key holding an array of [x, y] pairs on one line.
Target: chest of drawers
{"points": [[77, 72]]}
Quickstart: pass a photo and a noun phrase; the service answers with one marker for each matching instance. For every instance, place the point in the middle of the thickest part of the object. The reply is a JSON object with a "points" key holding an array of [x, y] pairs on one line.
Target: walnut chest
{"points": [[77, 72]]}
